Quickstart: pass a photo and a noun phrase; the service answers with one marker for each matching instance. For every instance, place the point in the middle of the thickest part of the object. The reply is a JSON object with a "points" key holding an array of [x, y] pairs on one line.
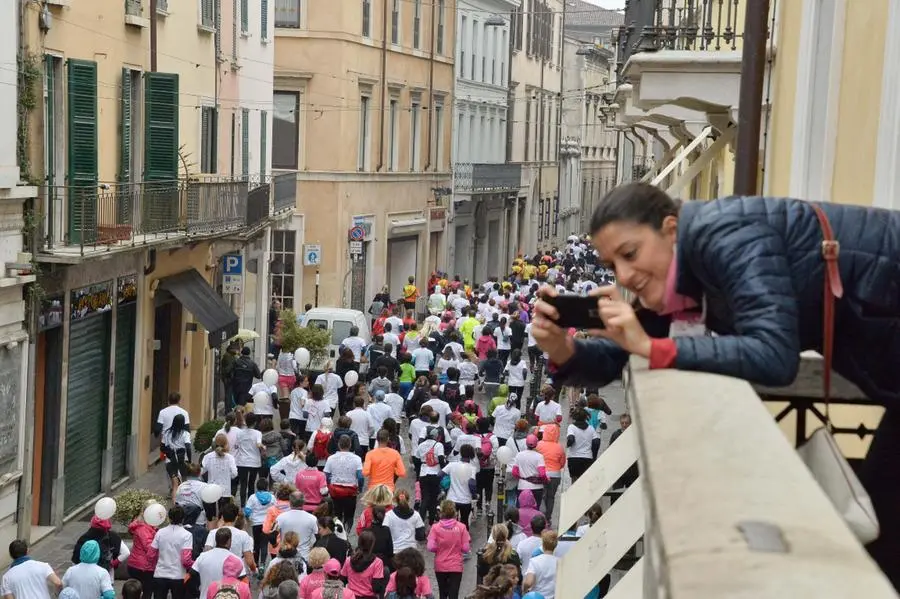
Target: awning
{"points": [[207, 306]]}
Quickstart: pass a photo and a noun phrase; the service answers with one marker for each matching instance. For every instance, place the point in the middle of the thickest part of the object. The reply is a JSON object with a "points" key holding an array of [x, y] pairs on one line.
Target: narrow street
{"points": [[56, 548]]}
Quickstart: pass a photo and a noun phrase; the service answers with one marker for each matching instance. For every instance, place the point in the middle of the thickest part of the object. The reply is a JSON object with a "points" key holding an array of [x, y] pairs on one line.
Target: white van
{"points": [[339, 321]]}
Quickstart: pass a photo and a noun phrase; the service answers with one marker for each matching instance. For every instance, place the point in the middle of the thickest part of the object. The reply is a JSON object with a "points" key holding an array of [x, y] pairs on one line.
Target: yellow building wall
{"points": [[190, 350], [89, 31], [184, 49], [858, 106]]}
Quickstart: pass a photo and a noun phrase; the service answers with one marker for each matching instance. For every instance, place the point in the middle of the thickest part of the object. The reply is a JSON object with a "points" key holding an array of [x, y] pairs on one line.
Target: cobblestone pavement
{"points": [[56, 548]]}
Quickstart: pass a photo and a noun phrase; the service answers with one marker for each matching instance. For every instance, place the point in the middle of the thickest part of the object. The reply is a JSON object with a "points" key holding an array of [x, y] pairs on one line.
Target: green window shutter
{"points": [[245, 142], [263, 142], [245, 16], [161, 127], [160, 201], [50, 125], [82, 146], [264, 20], [125, 129]]}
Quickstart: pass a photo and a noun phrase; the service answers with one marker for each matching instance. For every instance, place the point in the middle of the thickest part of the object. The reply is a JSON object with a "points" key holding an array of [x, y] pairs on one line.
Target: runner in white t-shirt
{"points": [[27, 578]]}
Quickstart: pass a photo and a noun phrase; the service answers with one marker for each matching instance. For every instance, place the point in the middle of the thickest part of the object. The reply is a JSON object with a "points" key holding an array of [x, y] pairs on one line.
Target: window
{"points": [[263, 142], [473, 140], [488, 46], [285, 129], [472, 74], [462, 49], [395, 22], [529, 47], [417, 24], [207, 13], [394, 132], [264, 20], [556, 216], [516, 25], [209, 139], [459, 155], [547, 218], [415, 134], [362, 162], [367, 18], [287, 13], [483, 147], [511, 116], [245, 16], [245, 142], [541, 219], [130, 127], [340, 330], [439, 135], [440, 28], [528, 102], [284, 254], [504, 49]]}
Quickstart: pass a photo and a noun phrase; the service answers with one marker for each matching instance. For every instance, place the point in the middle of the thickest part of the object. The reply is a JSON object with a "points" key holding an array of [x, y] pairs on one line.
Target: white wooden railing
{"points": [[723, 504]]}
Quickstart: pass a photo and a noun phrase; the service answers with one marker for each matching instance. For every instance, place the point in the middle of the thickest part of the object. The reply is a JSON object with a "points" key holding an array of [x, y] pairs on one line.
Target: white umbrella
{"points": [[244, 335]]}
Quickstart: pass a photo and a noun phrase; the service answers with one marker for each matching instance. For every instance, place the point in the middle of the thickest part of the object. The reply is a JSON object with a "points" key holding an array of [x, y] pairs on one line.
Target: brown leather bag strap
{"points": [[834, 290]]}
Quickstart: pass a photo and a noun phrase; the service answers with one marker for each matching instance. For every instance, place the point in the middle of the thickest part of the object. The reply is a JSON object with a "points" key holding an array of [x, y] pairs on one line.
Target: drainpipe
{"points": [[750, 108], [434, 6], [384, 42], [153, 36]]}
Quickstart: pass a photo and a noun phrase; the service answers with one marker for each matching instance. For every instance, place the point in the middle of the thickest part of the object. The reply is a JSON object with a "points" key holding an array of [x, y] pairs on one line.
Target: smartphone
{"points": [[576, 311]]}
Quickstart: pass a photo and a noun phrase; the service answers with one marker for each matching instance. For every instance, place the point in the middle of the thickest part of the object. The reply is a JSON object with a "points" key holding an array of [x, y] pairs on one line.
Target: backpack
{"points": [[451, 394], [320, 445], [106, 552], [486, 451], [227, 591], [430, 458]]}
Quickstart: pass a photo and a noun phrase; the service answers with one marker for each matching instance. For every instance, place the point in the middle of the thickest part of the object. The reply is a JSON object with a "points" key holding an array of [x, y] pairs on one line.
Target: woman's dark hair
{"points": [[229, 421], [250, 420], [378, 513], [390, 425], [639, 203], [178, 426], [406, 582], [311, 460], [483, 425], [579, 415], [410, 558], [317, 392], [515, 356], [365, 545], [467, 452], [265, 425]]}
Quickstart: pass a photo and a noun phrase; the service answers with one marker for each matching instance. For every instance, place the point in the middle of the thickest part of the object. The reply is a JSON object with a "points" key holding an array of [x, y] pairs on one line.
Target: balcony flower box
{"points": [[110, 234]]}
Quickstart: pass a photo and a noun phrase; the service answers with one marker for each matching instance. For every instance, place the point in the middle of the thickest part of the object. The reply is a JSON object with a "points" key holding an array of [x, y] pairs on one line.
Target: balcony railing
{"points": [[77, 220], [284, 192], [483, 177], [133, 8], [716, 503], [706, 25]]}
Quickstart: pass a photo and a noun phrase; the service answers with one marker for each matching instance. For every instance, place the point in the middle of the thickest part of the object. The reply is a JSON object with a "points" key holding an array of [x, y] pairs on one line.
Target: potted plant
{"points": [[131, 503], [203, 438], [292, 337]]}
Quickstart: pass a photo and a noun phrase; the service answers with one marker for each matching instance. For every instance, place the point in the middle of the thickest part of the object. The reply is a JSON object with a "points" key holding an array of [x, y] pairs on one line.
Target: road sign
{"points": [[356, 248], [357, 233], [233, 264], [312, 254], [233, 284]]}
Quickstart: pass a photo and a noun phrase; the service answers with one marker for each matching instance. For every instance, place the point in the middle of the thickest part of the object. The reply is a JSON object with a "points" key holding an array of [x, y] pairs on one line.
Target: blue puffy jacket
{"points": [[758, 263]]}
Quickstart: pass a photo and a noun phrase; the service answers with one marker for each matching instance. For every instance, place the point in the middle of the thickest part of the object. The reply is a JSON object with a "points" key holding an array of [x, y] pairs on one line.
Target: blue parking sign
{"points": [[233, 264]]}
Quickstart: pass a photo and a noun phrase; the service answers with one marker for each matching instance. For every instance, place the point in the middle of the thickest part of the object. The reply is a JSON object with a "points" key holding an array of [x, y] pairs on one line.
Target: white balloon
{"points": [[270, 377], [211, 493], [105, 508], [262, 397], [505, 455], [351, 378], [302, 357], [155, 514]]}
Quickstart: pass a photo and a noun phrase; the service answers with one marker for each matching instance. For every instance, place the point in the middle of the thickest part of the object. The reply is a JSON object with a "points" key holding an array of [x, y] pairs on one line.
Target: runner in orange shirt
{"points": [[554, 461], [383, 466]]}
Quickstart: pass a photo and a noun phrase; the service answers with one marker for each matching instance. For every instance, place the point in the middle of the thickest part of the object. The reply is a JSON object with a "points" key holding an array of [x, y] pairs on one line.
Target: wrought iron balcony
{"points": [[284, 192], [705, 25], [133, 8], [482, 177], [80, 220]]}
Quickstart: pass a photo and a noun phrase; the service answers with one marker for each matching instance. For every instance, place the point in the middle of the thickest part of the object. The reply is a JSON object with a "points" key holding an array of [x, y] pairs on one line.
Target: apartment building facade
{"points": [[128, 235], [16, 271], [362, 111], [485, 186], [534, 111]]}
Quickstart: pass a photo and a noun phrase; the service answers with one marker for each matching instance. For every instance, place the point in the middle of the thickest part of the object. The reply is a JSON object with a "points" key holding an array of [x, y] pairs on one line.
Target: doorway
{"points": [[48, 400], [162, 357]]}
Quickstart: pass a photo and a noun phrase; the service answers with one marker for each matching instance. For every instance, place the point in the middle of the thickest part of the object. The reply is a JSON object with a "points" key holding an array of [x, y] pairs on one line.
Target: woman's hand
{"points": [[622, 324], [552, 339]]}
